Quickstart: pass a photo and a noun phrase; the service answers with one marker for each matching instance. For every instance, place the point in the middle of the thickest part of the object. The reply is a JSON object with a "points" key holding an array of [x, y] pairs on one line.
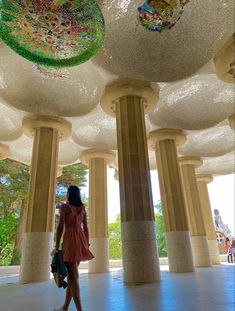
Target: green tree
{"points": [[8, 226], [75, 174], [160, 230], [14, 184], [115, 243]]}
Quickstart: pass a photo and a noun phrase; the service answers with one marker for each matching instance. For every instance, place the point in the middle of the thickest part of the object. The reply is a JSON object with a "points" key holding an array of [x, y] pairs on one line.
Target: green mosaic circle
{"points": [[57, 33]]}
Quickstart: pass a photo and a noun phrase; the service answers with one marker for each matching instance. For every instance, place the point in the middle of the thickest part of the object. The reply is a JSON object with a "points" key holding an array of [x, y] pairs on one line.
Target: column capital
{"points": [[207, 178], [232, 121], [5, 151], [129, 87], [224, 61], [31, 123], [190, 160], [89, 154], [166, 134], [59, 171]]}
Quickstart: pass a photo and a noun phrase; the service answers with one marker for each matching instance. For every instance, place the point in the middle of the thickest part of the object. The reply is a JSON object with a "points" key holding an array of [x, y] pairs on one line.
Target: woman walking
{"points": [[75, 246]]}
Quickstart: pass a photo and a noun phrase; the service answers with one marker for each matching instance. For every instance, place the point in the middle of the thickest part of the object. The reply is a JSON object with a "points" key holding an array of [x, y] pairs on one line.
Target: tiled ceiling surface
{"points": [[199, 103]]}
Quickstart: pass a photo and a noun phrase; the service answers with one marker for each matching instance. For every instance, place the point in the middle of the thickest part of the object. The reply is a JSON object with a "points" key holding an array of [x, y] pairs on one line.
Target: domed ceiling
{"points": [[199, 104], [131, 50], [37, 89]]}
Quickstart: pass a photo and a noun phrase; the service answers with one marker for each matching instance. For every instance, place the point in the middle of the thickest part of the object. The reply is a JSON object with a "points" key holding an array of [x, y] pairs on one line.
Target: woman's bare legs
{"points": [[68, 296], [73, 286]]}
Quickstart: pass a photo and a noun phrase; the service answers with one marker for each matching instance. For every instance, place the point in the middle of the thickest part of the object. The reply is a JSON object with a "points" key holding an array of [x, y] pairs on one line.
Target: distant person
{"points": [[75, 246], [233, 245], [229, 250]]}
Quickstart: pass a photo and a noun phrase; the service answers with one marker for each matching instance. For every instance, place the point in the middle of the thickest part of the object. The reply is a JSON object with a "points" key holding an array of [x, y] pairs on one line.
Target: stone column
{"points": [[199, 242], [202, 181], [127, 101], [164, 142], [232, 121], [37, 241], [4, 151], [97, 161]]}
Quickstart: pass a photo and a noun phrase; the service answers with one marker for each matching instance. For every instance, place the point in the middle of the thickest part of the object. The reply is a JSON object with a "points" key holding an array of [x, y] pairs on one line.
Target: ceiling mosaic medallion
{"points": [[51, 73], [55, 33], [158, 15]]}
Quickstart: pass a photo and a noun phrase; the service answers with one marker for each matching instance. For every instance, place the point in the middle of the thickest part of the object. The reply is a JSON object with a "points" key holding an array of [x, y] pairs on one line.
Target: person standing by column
{"points": [[75, 247]]}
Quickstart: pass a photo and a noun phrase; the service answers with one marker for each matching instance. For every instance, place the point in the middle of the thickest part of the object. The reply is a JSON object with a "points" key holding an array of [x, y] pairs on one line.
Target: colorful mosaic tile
{"points": [[55, 33], [158, 15], [51, 73]]}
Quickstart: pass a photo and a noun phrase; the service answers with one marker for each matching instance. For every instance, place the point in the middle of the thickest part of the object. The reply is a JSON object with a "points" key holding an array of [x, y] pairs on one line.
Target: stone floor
{"points": [[208, 289]]}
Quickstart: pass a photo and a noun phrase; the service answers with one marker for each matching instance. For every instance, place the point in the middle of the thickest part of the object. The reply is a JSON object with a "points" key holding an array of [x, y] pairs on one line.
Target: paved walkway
{"points": [[208, 289]]}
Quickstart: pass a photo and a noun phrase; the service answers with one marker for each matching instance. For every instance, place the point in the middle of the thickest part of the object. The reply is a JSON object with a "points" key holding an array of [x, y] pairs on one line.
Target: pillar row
{"points": [[164, 142], [97, 161], [199, 241], [37, 240], [202, 181], [127, 101]]}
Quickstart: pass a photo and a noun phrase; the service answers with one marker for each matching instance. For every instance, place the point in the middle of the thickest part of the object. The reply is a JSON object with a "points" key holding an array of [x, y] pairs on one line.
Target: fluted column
{"points": [[127, 100], [199, 241], [202, 181], [164, 142], [4, 151], [232, 121], [97, 161], [37, 240]]}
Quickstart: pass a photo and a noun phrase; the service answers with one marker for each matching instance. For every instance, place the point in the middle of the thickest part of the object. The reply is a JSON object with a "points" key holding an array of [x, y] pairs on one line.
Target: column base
{"points": [[214, 252], [35, 261], [100, 249], [179, 251], [200, 249], [140, 255]]}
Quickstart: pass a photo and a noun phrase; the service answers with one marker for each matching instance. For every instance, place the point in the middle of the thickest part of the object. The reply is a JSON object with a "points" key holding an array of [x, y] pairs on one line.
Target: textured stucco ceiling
{"points": [[132, 51], [23, 86], [199, 104]]}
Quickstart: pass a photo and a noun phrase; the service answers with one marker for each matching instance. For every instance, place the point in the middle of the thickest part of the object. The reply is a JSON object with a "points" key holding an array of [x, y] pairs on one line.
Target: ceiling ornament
{"points": [[158, 15], [55, 33], [52, 73], [131, 51]]}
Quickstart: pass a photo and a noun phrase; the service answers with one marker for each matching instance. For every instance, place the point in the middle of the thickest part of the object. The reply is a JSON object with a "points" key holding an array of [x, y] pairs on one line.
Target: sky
{"points": [[221, 193]]}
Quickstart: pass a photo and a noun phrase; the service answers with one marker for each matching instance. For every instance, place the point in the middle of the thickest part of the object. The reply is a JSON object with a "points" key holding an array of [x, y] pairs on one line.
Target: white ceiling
{"points": [[199, 104]]}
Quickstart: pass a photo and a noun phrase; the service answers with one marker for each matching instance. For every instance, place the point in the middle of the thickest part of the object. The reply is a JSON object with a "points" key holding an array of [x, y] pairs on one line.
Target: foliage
{"points": [[8, 225], [14, 184], [160, 231], [75, 174], [115, 243]]}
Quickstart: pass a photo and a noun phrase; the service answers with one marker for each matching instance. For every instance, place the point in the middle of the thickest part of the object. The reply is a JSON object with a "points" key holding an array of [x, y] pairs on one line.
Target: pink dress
{"points": [[75, 245]]}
